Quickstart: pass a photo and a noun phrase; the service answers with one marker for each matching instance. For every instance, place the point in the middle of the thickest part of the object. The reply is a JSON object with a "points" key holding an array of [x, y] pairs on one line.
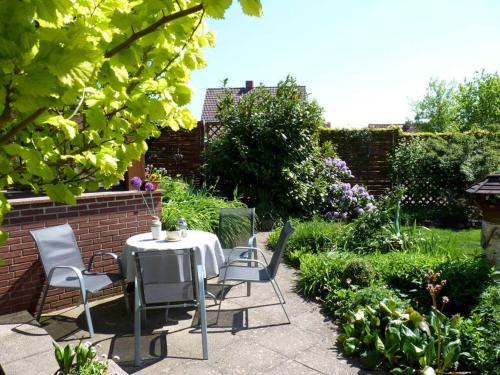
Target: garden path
{"points": [[251, 336]]}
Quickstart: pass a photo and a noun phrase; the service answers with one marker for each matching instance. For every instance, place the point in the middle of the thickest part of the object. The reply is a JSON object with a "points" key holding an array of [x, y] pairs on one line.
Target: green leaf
{"points": [[69, 127], [370, 359], [120, 73], [60, 193], [216, 8], [351, 345], [251, 7], [379, 344]]}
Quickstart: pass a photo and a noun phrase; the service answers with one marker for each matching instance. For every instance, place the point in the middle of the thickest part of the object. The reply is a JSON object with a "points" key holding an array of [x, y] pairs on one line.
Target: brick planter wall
{"points": [[101, 221]]}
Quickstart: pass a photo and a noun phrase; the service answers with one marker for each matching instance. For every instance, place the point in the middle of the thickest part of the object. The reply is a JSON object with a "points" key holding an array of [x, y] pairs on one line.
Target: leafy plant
{"points": [[358, 272], [269, 151], [321, 274], [79, 360], [314, 236], [403, 340], [436, 171], [481, 333], [199, 207]]}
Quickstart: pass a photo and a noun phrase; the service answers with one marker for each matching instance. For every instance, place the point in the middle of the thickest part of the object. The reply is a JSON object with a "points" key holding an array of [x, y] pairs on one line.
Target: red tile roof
{"points": [[213, 95]]}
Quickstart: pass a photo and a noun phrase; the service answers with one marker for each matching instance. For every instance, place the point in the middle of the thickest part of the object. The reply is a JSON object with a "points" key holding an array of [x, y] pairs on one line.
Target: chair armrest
{"points": [[244, 260], [77, 272], [112, 255], [254, 249], [252, 241]]}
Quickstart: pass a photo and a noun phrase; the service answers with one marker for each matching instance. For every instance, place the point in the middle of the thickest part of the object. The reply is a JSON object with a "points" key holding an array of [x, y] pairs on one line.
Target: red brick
{"points": [[32, 212], [36, 225], [21, 246]]}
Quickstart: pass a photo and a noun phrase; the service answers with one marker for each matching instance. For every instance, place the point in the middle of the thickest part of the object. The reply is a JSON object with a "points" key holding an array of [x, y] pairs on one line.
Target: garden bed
{"points": [[381, 298]]}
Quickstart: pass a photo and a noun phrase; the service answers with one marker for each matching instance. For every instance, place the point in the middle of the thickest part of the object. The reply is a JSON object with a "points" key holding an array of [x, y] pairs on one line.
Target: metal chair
{"points": [[237, 234], [259, 271], [64, 268], [166, 279]]}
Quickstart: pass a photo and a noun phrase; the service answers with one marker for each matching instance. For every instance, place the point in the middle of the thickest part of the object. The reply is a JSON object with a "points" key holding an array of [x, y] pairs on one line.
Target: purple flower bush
{"points": [[345, 201]]}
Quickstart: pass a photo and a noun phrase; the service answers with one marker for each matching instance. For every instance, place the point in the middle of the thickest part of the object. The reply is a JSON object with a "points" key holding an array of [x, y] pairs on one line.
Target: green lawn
{"points": [[459, 242]]}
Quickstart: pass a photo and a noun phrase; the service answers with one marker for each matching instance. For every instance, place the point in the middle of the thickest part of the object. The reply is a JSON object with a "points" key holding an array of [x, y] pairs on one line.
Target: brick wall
{"points": [[101, 221]]}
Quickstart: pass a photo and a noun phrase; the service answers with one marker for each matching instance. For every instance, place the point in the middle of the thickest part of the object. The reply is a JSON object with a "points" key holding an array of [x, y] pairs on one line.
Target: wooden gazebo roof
{"points": [[490, 185]]}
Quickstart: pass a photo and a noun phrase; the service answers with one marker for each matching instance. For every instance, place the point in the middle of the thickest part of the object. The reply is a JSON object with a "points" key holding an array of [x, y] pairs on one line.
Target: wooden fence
{"points": [[366, 154]]}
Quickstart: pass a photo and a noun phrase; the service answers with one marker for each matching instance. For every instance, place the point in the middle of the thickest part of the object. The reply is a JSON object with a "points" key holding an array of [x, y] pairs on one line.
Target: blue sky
{"points": [[364, 61]]}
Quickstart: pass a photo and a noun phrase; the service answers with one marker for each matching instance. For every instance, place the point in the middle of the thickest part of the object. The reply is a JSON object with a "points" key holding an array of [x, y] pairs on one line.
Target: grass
{"points": [[455, 242]]}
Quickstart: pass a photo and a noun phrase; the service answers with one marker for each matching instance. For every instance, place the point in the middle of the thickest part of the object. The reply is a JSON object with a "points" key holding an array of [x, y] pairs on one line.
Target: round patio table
{"points": [[207, 248]]}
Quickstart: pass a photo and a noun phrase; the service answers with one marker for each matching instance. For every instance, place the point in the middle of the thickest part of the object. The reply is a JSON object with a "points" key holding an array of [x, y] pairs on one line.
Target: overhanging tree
{"points": [[83, 84]]}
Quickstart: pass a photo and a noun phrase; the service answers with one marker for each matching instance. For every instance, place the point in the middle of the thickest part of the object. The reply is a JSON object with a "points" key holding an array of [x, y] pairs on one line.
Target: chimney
{"points": [[248, 85]]}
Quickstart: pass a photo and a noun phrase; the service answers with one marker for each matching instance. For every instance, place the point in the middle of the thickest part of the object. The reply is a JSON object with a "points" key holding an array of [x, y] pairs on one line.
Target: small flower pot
{"points": [[173, 235]]}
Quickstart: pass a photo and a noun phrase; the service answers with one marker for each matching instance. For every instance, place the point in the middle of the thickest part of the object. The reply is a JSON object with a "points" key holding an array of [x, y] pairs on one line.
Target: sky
{"points": [[364, 61]]}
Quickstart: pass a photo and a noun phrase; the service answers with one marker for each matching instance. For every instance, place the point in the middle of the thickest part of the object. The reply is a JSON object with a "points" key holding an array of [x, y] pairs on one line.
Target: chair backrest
{"points": [[236, 226], [58, 247], [166, 275], [280, 248]]}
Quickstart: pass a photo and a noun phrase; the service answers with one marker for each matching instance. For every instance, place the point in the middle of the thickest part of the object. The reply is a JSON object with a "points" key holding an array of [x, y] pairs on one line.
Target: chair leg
{"points": [[125, 295], [137, 327], [279, 290], [221, 298], [202, 311], [87, 314], [42, 302], [282, 305]]}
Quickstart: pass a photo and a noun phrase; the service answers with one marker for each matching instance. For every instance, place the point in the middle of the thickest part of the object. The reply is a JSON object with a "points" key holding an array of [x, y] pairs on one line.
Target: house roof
{"points": [[213, 95]]}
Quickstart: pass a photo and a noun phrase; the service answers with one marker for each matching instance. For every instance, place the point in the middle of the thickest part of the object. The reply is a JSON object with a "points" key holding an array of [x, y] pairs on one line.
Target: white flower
{"points": [[98, 346], [116, 358], [88, 343], [104, 356]]}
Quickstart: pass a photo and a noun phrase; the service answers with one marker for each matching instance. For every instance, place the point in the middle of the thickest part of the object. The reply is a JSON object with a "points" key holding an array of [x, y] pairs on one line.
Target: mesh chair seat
{"points": [[64, 278], [254, 274]]}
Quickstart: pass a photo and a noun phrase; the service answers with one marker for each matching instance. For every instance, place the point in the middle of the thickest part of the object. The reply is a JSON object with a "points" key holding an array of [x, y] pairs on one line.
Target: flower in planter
{"points": [[136, 182]]}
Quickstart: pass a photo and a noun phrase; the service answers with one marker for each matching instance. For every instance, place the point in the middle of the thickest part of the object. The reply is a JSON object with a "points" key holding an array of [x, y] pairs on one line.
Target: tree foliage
{"points": [[84, 83], [268, 151], [471, 105]]}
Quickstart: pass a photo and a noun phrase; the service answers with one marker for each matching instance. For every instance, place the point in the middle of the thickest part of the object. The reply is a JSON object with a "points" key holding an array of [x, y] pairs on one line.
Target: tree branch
{"points": [[183, 47], [151, 28], [28, 120]]}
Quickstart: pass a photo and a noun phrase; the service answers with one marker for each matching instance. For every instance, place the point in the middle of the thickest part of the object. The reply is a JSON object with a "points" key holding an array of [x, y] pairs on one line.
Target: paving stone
{"points": [[292, 367], [248, 358], [287, 340]]}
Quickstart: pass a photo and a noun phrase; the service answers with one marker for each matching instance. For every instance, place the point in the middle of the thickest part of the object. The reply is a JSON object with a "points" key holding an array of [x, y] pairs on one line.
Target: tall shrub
{"points": [[436, 170], [268, 151]]}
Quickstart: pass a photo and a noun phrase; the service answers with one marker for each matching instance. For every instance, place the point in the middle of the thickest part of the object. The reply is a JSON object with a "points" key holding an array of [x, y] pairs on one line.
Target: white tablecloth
{"points": [[208, 250]]}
